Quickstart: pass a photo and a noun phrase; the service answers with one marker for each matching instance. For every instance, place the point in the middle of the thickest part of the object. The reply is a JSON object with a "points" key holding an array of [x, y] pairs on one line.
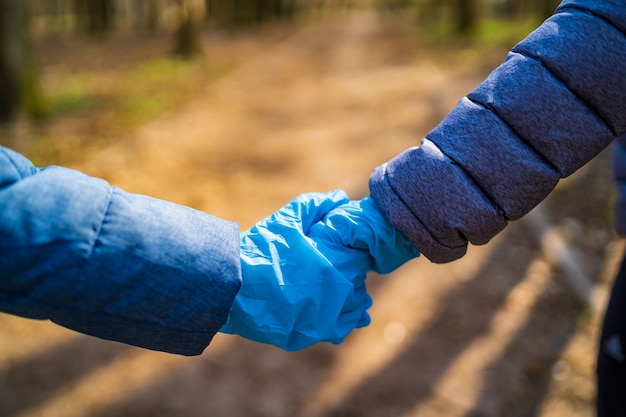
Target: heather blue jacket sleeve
{"points": [[557, 100], [111, 264]]}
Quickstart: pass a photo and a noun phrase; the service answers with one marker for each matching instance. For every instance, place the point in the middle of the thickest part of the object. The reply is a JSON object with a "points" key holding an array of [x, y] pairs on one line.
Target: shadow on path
{"points": [[33, 381], [464, 316]]}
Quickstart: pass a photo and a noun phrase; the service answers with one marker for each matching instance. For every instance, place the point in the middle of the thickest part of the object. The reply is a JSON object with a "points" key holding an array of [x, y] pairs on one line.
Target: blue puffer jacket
{"points": [[558, 99], [115, 265]]}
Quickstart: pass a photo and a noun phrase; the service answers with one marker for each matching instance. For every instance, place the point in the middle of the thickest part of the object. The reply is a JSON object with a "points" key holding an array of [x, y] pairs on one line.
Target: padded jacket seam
{"points": [[589, 13]]}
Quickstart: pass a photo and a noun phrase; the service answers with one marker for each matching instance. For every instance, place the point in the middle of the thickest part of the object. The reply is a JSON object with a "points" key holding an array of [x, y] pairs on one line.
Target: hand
{"points": [[355, 237], [292, 294], [299, 290]]}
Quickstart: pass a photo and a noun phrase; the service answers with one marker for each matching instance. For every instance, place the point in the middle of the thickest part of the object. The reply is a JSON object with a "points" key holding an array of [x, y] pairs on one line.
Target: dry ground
{"points": [[498, 333]]}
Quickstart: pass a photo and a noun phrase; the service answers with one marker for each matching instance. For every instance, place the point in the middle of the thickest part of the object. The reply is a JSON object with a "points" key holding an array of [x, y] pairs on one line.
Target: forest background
{"points": [[233, 108]]}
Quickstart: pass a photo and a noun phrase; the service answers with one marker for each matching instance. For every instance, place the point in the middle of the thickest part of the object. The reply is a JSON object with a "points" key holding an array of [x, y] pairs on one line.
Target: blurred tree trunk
{"points": [[10, 58], [187, 40], [399, 4], [286, 9], [465, 11], [515, 9], [10, 49], [19, 78], [208, 9], [149, 15], [265, 9], [235, 13], [274, 9], [59, 12], [427, 11], [95, 16]]}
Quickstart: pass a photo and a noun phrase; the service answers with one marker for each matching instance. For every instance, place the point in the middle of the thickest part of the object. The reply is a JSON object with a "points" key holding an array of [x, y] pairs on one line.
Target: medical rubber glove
{"points": [[320, 295], [292, 296], [360, 226]]}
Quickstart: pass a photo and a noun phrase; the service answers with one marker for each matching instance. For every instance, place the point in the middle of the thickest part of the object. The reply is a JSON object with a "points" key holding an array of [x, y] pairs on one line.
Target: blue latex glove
{"points": [[292, 296], [298, 290], [359, 226]]}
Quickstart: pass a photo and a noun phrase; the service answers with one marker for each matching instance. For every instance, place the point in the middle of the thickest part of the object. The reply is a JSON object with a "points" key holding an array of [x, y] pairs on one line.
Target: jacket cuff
{"points": [[403, 219]]}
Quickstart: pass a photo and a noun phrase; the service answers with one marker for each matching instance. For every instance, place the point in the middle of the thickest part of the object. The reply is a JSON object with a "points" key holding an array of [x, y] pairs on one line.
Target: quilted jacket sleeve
{"points": [[104, 262], [557, 100]]}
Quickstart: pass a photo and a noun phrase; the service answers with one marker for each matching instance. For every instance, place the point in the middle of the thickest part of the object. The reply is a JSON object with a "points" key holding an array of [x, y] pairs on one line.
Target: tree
{"points": [[465, 12], [95, 16], [149, 14], [19, 77], [187, 41], [241, 13]]}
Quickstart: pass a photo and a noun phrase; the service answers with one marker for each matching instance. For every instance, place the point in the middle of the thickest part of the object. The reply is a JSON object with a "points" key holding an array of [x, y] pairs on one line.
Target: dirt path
{"points": [[495, 334]]}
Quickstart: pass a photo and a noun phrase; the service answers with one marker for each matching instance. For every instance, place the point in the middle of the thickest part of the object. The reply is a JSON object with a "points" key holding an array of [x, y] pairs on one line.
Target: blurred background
{"points": [[234, 107]]}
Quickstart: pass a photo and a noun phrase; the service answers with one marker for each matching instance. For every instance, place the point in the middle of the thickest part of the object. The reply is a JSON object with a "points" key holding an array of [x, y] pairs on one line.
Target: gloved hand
{"points": [[297, 291], [360, 226]]}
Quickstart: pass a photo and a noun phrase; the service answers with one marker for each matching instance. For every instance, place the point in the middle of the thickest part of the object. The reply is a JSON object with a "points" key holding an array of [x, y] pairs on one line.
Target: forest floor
{"points": [[266, 116]]}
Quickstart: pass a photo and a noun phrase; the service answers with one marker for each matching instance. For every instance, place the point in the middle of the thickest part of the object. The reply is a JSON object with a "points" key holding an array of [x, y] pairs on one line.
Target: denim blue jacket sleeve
{"points": [[557, 100], [116, 265]]}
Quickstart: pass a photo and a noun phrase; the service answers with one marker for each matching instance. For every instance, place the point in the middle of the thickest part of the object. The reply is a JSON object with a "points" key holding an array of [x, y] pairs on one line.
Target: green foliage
{"points": [[488, 32], [35, 105], [72, 96], [132, 97], [155, 87], [500, 31], [93, 109]]}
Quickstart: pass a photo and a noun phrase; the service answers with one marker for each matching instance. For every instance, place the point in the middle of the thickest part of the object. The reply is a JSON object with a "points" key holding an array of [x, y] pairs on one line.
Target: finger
{"points": [[349, 321], [308, 209], [360, 224], [365, 320], [357, 300]]}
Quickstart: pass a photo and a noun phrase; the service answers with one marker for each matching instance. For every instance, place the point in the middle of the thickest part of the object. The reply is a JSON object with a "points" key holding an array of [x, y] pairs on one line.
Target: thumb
{"points": [[307, 209], [361, 225]]}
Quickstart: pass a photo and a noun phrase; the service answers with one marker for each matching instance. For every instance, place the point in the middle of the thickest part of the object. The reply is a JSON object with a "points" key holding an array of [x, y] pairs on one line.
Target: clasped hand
{"points": [[304, 270]]}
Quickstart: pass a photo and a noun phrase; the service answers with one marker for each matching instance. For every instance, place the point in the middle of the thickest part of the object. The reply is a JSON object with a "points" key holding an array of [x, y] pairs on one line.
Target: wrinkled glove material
{"points": [[304, 270], [359, 224]]}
